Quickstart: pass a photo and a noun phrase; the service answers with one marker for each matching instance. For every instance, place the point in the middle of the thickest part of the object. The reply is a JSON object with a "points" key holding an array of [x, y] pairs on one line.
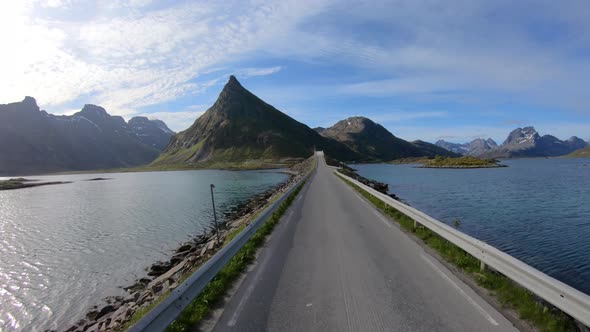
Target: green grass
{"points": [[509, 294], [461, 162], [582, 153], [143, 311], [217, 288], [233, 234]]}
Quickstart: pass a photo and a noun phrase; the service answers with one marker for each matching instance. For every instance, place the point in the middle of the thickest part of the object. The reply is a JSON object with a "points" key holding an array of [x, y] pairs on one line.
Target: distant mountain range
{"points": [[33, 141], [239, 128], [476, 147], [521, 142], [376, 143]]}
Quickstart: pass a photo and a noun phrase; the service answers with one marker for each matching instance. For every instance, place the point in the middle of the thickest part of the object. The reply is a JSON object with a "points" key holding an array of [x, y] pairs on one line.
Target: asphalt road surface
{"points": [[334, 263]]}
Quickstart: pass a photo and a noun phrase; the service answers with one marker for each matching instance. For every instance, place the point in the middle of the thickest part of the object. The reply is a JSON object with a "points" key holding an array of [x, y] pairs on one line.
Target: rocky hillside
{"points": [[34, 142], [477, 147], [526, 142], [151, 132], [377, 143], [241, 127]]}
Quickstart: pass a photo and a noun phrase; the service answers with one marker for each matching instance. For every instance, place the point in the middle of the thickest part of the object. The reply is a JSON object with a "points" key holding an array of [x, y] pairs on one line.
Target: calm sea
{"points": [[65, 247], [537, 210]]}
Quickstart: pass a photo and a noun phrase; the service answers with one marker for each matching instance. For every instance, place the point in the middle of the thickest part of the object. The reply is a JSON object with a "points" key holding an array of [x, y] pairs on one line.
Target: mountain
{"points": [[319, 130], [432, 150], [377, 143], [33, 141], [240, 127], [526, 142], [151, 132], [475, 148]]}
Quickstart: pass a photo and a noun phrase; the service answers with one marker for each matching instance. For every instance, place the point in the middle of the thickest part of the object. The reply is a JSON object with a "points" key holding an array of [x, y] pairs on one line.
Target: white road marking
{"points": [[234, 318], [309, 304], [467, 297]]}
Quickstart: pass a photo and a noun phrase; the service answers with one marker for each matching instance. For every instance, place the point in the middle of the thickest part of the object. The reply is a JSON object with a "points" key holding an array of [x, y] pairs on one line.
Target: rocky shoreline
{"points": [[163, 277], [379, 186], [21, 183], [464, 167]]}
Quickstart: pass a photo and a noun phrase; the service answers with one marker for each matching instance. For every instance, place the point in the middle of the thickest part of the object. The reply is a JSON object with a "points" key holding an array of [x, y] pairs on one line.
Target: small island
{"points": [[20, 183], [461, 162]]}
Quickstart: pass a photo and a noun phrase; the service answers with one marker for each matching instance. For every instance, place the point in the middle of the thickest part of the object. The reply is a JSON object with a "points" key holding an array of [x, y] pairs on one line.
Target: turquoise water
{"points": [[65, 247], [537, 210]]}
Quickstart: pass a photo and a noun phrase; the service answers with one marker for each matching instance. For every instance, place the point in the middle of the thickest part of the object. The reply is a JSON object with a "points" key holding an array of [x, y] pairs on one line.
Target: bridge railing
{"points": [[566, 298], [168, 310]]}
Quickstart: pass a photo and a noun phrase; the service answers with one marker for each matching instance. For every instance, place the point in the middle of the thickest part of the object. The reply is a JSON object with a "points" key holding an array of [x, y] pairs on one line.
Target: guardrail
{"points": [[566, 298], [168, 310]]}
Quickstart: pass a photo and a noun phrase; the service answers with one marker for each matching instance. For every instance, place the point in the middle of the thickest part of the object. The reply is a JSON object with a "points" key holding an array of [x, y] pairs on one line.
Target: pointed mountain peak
{"points": [[29, 101], [233, 84], [93, 111], [233, 80]]}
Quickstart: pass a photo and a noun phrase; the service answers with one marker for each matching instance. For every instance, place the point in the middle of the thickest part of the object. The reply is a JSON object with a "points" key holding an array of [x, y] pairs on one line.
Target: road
{"points": [[334, 263]]}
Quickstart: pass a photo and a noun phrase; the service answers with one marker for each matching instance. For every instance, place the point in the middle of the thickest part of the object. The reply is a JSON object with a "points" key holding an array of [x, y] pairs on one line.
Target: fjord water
{"points": [[65, 247], [535, 210]]}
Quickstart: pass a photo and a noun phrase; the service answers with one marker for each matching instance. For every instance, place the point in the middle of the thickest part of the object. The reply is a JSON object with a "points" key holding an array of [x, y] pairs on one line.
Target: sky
{"points": [[429, 69]]}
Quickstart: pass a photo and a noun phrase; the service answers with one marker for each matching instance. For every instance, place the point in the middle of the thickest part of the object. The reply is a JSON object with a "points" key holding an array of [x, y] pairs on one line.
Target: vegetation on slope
{"points": [[24, 183], [461, 162], [581, 153]]}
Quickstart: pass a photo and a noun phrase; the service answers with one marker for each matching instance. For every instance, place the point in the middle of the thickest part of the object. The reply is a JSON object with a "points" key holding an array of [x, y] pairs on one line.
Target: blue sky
{"points": [[435, 69]]}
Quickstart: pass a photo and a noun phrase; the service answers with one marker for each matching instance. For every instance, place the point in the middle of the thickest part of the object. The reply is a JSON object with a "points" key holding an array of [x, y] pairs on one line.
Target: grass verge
{"points": [[508, 293], [217, 288]]}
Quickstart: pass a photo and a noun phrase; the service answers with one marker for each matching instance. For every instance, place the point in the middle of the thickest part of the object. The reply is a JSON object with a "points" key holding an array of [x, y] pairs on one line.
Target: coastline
{"points": [[113, 312], [20, 183], [464, 166], [227, 166]]}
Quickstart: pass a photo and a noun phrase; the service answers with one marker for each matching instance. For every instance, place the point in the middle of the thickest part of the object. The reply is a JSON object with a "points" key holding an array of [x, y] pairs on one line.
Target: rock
{"points": [[185, 247], [145, 297], [139, 285], [203, 250], [105, 310], [131, 297], [159, 269], [121, 314], [113, 299], [92, 314], [157, 288], [93, 328], [78, 326]]}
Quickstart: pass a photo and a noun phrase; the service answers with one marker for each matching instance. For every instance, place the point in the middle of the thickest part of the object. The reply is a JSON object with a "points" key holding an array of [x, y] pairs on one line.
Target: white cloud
{"points": [[249, 72], [125, 54], [131, 60]]}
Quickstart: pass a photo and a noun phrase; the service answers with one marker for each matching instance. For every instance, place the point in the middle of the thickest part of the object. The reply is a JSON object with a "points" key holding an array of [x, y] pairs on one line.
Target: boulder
{"points": [[159, 268], [92, 314], [184, 247], [105, 310], [93, 328], [131, 297]]}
